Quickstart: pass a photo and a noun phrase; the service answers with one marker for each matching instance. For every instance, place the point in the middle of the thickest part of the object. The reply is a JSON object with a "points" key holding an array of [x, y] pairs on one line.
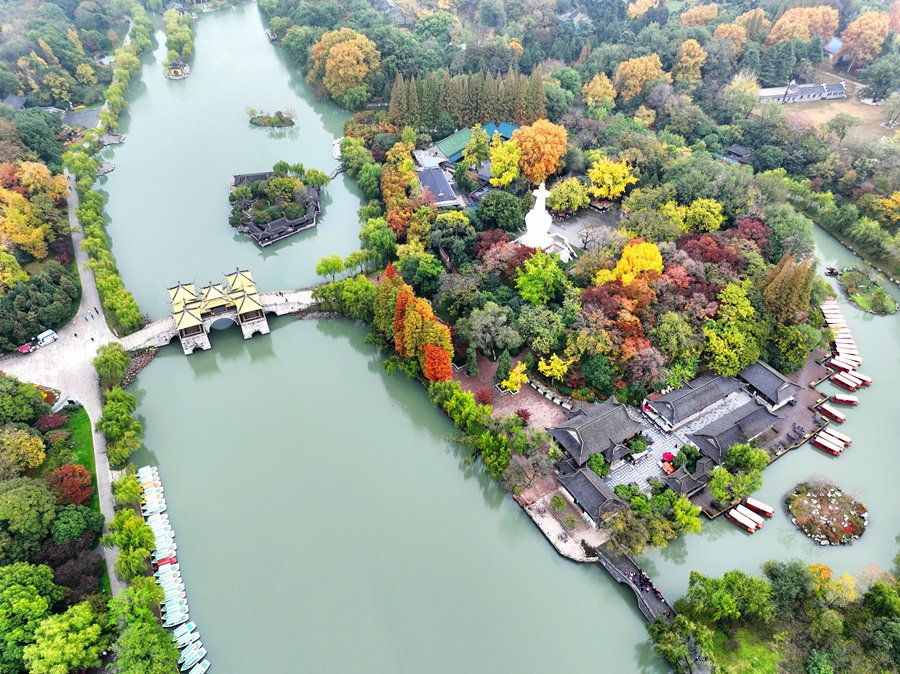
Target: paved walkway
{"points": [[66, 365]]}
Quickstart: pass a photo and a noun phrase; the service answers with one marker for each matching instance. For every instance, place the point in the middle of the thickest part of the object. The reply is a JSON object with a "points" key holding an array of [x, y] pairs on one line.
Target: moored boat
{"points": [[832, 413], [740, 520], [194, 659], [826, 444], [831, 271], [759, 507], [201, 668], [866, 380], [750, 515], [844, 399], [176, 620], [842, 380], [187, 639], [189, 651], [825, 433], [183, 629], [841, 364], [840, 436]]}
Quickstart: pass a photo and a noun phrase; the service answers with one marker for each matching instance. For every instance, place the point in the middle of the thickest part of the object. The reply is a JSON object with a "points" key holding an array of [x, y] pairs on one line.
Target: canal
{"points": [[325, 520]]}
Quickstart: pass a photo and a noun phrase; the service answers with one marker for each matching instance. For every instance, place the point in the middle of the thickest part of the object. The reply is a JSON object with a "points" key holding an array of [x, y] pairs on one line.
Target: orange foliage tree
{"points": [[804, 23], [699, 15], [755, 23], [437, 363], [635, 74], [342, 60], [864, 37], [735, 34], [542, 146], [405, 297]]}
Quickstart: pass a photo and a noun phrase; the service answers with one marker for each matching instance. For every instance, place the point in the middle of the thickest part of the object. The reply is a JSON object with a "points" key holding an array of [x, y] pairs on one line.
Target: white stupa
{"points": [[537, 229]]}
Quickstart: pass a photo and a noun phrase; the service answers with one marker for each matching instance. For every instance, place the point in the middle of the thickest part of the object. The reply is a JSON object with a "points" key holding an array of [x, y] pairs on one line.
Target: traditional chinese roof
{"points": [[434, 180], [241, 280], [698, 395], [773, 386], [180, 294], [590, 492], [17, 102], [685, 484], [187, 318], [214, 294], [453, 145], [248, 302], [603, 429], [738, 426]]}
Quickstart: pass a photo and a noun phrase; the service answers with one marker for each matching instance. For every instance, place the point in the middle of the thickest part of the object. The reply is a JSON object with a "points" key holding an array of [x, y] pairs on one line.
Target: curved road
{"points": [[66, 365]]}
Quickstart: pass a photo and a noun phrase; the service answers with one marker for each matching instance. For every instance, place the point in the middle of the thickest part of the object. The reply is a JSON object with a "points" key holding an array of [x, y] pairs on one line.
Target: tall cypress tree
{"points": [[536, 101], [413, 116], [490, 100], [473, 99], [398, 106], [428, 101]]}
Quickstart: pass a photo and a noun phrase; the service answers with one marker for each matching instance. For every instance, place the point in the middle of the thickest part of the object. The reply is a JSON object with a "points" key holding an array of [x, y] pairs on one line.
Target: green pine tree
{"points": [[413, 113], [504, 363], [472, 362], [535, 97], [398, 105]]}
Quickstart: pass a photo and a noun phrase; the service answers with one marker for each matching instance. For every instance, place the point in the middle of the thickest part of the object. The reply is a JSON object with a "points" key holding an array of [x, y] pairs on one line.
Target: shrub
{"points": [[49, 422], [72, 521], [558, 503], [484, 396], [570, 522], [523, 414], [598, 464], [72, 482], [504, 363], [472, 362]]}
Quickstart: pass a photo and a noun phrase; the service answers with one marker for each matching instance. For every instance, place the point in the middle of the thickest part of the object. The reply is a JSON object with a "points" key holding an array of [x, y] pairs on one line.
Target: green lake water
{"points": [[325, 522]]}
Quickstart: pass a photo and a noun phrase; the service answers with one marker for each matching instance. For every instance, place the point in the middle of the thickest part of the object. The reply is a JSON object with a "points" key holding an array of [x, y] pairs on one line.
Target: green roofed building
{"points": [[452, 146]]}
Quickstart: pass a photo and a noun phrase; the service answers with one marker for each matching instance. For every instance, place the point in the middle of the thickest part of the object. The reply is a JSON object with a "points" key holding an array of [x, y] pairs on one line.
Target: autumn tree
{"points": [[477, 149], [342, 62], [733, 33], [638, 8], [437, 364], [633, 76], [568, 195], [637, 259], [20, 450], [609, 178], [555, 367], [505, 158], [540, 279], [755, 23], [689, 61], [699, 15], [599, 93], [72, 482], [864, 38], [516, 379], [542, 146], [804, 23], [742, 93], [787, 288]]}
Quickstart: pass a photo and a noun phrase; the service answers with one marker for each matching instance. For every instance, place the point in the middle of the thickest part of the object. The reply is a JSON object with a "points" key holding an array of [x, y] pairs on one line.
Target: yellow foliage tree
{"points": [[702, 216], [555, 368], [10, 272], [891, 207], [755, 23], [85, 74], [804, 23], [638, 8], [342, 60], [19, 451], [599, 92], [505, 156], [19, 224], [637, 259], [542, 146], [609, 178], [864, 37], [517, 378], [699, 15], [35, 177], [644, 115], [742, 93], [690, 59], [635, 74], [735, 34]]}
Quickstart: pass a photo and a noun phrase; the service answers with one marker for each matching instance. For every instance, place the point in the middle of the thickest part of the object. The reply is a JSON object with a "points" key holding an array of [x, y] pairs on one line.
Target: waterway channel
{"points": [[325, 522]]}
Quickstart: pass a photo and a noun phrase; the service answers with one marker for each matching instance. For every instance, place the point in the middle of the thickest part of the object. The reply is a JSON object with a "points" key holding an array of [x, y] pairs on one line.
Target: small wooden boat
{"points": [[176, 620], [182, 630], [840, 436], [189, 651], [750, 515], [844, 399], [831, 271], [827, 434], [759, 507], [840, 364], [166, 568], [166, 560], [832, 413], [187, 639], [194, 659], [866, 380], [740, 520], [842, 380], [828, 445], [201, 668]]}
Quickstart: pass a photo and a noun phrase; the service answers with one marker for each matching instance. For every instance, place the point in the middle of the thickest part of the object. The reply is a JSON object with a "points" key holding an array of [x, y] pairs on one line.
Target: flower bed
{"points": [[827, 514]]}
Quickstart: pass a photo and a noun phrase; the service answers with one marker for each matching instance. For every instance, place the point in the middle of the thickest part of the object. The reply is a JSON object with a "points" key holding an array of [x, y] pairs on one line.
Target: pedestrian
{"points": [[76, 334], [85, 319], [95, 309], [92, 339]]}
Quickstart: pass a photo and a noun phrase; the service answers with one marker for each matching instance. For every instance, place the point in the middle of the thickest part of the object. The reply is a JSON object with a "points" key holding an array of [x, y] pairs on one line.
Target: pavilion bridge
{"points": [[195, 311]]}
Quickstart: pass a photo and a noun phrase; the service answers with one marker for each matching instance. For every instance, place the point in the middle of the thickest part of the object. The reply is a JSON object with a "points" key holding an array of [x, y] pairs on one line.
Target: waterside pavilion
{"points": [[195, 311]]}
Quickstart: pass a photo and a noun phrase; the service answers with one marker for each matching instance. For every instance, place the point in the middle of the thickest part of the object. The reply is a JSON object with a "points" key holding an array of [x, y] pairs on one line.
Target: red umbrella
{"points": [[668, 456]]}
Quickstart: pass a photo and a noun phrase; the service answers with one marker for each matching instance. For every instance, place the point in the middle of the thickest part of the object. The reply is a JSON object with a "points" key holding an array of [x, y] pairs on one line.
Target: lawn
{"points": [[753, 655], [79, 425]]}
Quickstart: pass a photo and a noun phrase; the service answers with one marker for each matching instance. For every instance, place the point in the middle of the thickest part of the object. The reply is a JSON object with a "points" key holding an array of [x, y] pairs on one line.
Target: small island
{"points": [[863, 288], [827, 514], [273, 205], [277, 119]]}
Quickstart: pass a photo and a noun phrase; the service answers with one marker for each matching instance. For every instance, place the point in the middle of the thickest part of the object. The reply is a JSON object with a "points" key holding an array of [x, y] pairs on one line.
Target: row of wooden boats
{"points": [[750, 514], [831, 441], [174, 609], [844, 361]]}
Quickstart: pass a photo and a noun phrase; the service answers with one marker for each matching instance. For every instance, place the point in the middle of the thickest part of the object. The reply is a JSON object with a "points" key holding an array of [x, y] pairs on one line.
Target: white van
{"points": [[47, 337]]}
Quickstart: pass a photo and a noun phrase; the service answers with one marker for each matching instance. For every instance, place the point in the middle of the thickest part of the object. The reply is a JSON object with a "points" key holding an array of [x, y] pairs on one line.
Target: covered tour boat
{"points": [[844, 381], [840, 436], [750, 515], [742, 521], [759, 507], [828, 444], [832, 413], [844, 399]]}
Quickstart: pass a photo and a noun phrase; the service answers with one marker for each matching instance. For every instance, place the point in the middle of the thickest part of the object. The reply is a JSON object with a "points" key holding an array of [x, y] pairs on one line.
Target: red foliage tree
{"points": [[516, 262], [523, 414], [713, 248], [607, 298], [753, 230], [484, 396], [72, 482], [404, 298], [487, 239], [49, 422], [437, 363]]}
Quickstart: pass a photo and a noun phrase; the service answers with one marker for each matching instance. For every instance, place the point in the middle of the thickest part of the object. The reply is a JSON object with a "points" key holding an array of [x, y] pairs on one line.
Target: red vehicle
{"points": [[27, 348]]}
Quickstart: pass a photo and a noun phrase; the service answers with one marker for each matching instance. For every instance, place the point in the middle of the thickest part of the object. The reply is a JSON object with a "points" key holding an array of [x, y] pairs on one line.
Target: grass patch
{"points": [[752, 655], [79, 425], [674, 6]]}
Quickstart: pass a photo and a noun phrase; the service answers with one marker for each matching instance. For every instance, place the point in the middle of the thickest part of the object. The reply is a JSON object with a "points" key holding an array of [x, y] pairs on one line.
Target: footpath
{"points": [[66, 365]]}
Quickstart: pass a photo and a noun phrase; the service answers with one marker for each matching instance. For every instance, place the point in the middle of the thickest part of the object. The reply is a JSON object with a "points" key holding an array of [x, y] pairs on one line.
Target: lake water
{"points": [[325, 521]]}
